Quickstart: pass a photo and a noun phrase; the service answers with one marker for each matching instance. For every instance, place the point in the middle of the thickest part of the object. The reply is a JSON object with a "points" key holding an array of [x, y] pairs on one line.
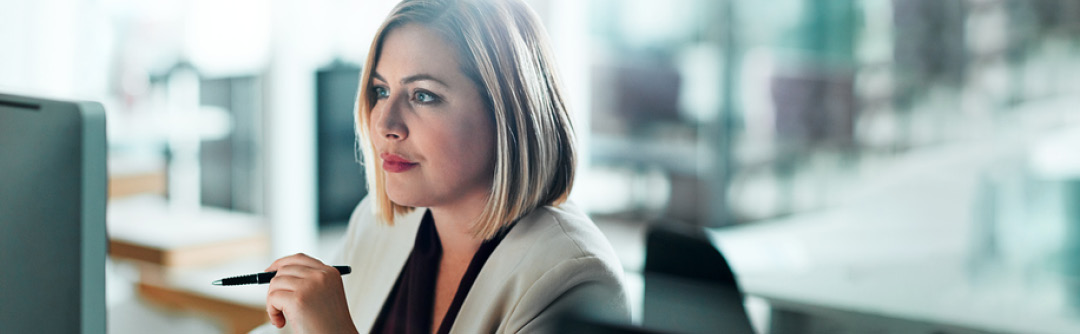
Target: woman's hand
{"points": [[308, 294]]}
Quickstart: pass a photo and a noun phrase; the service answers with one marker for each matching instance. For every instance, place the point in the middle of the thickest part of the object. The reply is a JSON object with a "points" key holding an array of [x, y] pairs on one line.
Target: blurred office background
{"points": [[832, 149]]}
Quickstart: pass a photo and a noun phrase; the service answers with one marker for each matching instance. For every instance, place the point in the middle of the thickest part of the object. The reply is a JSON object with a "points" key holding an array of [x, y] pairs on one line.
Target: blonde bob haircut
{"points": [[503, 48]]}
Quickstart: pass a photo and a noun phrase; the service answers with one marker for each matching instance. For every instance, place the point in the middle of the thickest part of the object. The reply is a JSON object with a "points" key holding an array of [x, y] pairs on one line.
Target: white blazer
{"points": [[553, 257]]}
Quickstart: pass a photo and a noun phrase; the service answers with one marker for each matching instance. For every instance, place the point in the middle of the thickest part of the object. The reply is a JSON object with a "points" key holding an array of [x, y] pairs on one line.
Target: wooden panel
{"points": [[238, 318], [134, 184], [190, 256]]}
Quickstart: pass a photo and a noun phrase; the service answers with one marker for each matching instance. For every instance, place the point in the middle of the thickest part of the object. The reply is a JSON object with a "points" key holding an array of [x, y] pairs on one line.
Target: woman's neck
{"points": [[454, 225]]}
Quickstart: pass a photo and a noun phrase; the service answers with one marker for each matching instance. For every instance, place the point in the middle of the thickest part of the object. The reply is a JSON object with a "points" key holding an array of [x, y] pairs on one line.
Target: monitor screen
{"points": [[52, 216]]}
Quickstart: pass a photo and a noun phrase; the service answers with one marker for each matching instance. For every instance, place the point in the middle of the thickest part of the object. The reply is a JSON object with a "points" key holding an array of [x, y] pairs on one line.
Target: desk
{"points": [[239, 308], [178, 254], [927, 250]]}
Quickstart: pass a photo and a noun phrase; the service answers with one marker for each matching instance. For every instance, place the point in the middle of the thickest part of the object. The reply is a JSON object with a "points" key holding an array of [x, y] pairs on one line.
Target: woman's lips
{"points": [[396, 164]]}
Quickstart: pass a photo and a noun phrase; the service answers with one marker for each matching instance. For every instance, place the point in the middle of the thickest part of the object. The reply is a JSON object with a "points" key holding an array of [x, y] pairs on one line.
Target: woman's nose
{"points": [[388, 120]]}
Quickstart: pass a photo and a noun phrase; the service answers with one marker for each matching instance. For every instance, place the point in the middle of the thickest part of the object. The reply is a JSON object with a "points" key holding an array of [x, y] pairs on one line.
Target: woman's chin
{"points": [[405, 199]]}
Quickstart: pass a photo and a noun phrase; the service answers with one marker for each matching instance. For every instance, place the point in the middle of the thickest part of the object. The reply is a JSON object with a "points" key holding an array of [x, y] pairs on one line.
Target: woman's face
{"points": [[431, 131]]}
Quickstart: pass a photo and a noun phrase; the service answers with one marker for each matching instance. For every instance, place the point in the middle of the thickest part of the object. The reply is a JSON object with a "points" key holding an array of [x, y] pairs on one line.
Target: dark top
{"points": [[409, 307]]}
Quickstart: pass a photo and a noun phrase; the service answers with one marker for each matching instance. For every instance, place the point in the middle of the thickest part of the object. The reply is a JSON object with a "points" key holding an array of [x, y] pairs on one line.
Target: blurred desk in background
{"points": [[943, 293], [146, 228], [938, 245], [151, 182], [239, 308], [178, 254]]}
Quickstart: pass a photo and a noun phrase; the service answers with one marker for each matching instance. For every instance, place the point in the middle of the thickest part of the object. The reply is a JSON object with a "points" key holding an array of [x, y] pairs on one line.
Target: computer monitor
{"points": [[52, 216]]}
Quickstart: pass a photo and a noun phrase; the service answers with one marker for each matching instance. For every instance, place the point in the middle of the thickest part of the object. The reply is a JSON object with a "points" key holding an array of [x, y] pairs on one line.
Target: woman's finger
{"points": [[287, 283], [275, 306], [298, 258], [300, 271], [300, 290]]}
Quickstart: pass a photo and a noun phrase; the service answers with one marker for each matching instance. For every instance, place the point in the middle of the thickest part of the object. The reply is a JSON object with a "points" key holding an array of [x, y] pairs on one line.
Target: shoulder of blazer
{"points": [[550, 252], [550, 235], [551, 243]]}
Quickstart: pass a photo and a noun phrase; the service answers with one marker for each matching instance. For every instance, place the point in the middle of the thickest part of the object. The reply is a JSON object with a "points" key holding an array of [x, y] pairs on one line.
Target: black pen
{"points": [[263, 278]]}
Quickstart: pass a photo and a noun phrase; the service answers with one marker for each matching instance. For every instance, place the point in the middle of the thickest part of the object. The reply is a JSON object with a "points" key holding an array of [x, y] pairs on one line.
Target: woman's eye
{"points": [[425, 97], [381, 92]]}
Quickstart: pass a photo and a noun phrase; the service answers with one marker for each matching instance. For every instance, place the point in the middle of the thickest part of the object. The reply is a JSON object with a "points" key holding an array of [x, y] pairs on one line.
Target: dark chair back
{"points": [[689, 287]]}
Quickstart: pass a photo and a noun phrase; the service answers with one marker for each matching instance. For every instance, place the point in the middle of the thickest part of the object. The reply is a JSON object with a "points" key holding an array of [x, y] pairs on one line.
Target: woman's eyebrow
{"points": [[422, 76], [413, 78]]}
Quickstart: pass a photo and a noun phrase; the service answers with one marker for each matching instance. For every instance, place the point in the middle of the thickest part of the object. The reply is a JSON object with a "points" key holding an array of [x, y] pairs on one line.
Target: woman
{"points": [[469, 154]]}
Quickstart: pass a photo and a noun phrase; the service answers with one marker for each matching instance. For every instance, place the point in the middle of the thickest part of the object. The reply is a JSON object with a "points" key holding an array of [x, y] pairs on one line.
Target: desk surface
{"points": [[179, 253], [146, 228], [930, 243]]}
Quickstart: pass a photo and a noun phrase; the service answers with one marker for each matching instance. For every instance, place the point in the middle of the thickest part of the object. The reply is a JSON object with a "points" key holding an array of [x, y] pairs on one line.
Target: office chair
{"points": [[689, 287]]}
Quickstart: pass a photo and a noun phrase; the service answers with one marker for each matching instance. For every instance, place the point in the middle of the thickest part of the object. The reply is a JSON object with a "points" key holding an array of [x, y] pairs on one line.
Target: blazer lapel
{"points": [[392, 247]]}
